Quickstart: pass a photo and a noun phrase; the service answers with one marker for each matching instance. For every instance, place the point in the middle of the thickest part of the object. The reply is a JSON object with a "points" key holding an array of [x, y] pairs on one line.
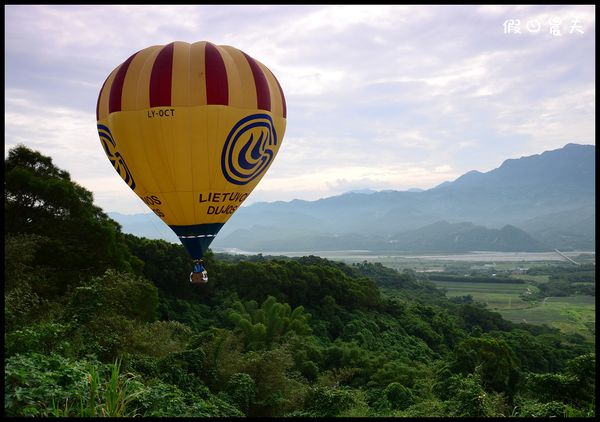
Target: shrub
{"points": [[241, 391], [37, 385], [329, 401], [398, 396]]}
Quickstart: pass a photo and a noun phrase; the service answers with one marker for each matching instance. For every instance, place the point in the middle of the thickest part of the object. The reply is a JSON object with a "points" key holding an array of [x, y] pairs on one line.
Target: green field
{"points": [[569, 314], [496, 296], [573, 314]]}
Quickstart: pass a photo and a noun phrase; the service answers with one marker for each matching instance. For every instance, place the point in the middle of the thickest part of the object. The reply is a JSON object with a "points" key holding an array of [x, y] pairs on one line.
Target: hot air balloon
{"points": [[191, 129]]}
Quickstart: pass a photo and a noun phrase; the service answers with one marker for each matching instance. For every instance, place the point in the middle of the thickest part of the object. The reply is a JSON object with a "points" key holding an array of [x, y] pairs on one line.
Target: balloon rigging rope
{"points": [[151, 217]]}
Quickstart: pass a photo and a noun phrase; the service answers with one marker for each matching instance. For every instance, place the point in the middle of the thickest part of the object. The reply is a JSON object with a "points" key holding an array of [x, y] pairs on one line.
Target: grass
{"points": [[106, 398], [574, 314], [495, 295], [538, 278]]}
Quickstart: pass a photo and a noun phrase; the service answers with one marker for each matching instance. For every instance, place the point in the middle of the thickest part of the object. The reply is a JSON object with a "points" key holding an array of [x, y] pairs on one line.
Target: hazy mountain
{"points": [[444, 236], [575, 227], [367, 191], [543, 201], [437, 237], [522, 189]]}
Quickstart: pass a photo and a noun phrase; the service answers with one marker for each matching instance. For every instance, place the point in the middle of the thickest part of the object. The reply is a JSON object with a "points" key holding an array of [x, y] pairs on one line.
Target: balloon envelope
{"points": [[191, 129]]}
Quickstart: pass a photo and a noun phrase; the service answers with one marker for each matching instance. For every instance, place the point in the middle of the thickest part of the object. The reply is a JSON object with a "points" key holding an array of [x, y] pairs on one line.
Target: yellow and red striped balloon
{"points": [[191, 129]]}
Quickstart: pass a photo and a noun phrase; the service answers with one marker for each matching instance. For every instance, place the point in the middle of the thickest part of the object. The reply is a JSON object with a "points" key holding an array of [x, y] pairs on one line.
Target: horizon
{"points": [[371, 190]]}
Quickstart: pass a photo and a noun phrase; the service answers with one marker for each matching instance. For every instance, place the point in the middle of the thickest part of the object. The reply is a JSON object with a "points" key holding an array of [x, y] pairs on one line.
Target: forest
{"points": [[102, 323]]}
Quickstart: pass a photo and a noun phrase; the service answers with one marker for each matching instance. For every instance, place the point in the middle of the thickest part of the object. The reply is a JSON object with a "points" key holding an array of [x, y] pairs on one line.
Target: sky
{"points": [[378, 96]]}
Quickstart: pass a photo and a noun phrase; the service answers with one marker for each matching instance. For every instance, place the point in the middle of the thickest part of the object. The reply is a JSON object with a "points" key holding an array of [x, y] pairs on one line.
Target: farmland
{"points": [[559, 295], [574, 314], [571, 314], [556, 294], [496, 296]]}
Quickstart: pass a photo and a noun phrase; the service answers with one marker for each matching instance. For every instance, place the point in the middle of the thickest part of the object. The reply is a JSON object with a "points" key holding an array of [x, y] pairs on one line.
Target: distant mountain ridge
{"points": [[464, 237], [533, 203]]}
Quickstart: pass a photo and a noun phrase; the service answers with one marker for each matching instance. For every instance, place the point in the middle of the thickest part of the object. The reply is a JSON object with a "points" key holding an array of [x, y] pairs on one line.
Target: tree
{"points": [[241, 390], [398, 396], [575, 386], [41, 199], [583, 368], [21, 302], [115, 293], [272, 321], [111, 313], [166, 264], [498, 363], [468, 397], [328, 401]]}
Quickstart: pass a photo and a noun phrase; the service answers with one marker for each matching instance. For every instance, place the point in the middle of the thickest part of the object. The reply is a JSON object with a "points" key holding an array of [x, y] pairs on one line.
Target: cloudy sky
{"points": [[379, 97]]}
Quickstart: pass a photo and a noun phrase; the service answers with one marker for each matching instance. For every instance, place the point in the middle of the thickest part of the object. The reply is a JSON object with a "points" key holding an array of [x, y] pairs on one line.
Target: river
{"points": [[475, 256]]}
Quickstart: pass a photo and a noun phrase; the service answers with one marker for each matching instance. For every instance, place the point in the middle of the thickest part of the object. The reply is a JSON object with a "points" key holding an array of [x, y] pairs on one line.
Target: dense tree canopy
{"points": [[98, 323]]}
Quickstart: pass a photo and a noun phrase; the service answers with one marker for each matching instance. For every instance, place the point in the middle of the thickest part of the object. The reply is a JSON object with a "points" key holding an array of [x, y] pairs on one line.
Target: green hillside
{"points": [[101, 323]]}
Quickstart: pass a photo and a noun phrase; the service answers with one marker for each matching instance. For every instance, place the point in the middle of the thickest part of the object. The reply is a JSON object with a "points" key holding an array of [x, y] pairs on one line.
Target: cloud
{"points": [[399, 96], [547, 129], [69, 137]]}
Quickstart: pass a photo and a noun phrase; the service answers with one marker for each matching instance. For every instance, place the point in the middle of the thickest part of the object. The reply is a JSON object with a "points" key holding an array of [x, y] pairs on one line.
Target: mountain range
{"points": [[535, 203]]}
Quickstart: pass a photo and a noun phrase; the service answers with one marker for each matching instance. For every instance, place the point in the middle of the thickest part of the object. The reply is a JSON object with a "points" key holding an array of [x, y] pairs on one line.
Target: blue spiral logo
{"points": [[115, 157], [247, 151]]}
